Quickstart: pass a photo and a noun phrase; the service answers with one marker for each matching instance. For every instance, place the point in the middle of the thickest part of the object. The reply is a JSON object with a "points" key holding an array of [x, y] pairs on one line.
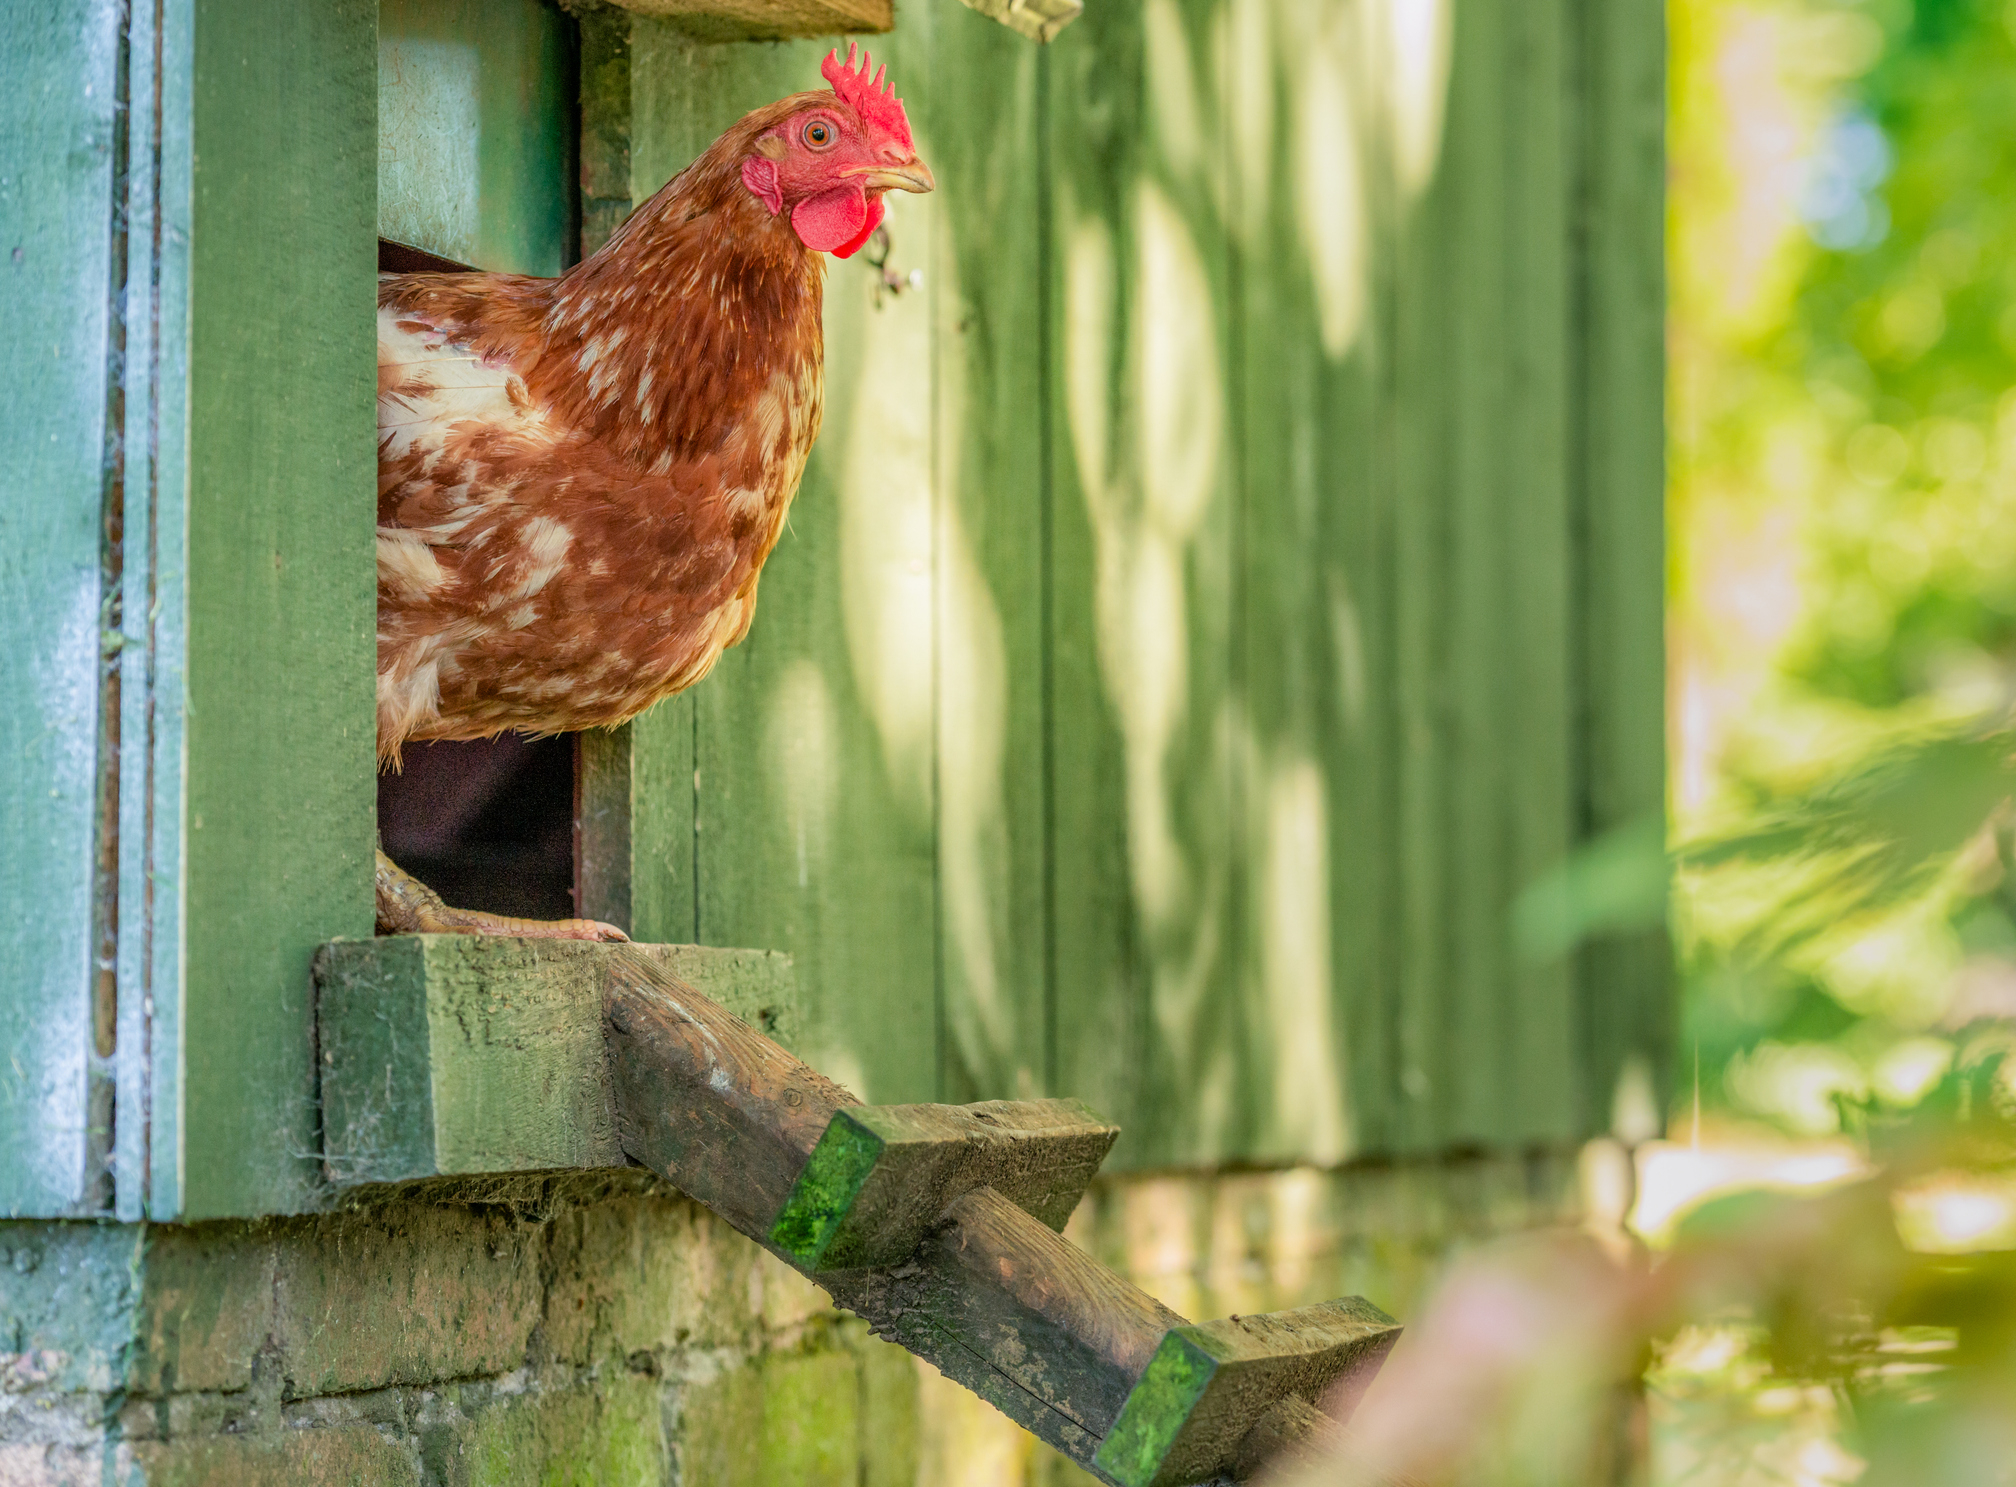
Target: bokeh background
{"points": [[1811, 1282]]}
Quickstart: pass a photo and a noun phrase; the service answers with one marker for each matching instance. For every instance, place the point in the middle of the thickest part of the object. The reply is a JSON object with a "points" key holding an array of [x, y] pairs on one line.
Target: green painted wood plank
{"points": [[1365, 619], [281, 465], [476, 131], [1144, 471], [984, 280], [1625, 984], [664, 899], [1305, 231], [58, 122], [1419, 390], [1490, 483], [813, 740], [1542, 1094]]}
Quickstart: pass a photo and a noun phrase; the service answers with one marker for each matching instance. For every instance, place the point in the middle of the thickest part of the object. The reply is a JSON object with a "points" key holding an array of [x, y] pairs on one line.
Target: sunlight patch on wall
{"points": [[800, 743], [1294, 925], [886, 502], [972, 740], [1329, 174], [1419, 37], [1172, 88], [1246, 82]]}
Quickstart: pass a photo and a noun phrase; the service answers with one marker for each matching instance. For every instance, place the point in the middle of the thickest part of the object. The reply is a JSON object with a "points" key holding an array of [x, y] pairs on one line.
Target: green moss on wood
{"points": [[1155, 1412], [825, 1191]]}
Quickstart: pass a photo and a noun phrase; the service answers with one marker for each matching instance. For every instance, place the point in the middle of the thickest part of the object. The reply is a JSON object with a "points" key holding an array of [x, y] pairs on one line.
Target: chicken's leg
{"points": [[408, 906]]}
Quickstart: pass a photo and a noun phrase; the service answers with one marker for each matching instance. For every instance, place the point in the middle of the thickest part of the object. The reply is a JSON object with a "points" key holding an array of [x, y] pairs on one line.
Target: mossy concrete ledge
{"points": [[453, 1055]]}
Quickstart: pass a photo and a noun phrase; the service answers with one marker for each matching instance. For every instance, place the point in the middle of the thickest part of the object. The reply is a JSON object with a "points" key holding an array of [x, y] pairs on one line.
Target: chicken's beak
{"points": [[913, 176]]}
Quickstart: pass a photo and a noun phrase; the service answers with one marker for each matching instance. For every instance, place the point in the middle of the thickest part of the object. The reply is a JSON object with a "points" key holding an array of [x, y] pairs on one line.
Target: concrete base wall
{"points": [[605, 1330]]}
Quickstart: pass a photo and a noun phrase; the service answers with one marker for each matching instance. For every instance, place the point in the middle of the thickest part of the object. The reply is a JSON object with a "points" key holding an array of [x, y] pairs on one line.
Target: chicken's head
{"points": [[829, 162]]}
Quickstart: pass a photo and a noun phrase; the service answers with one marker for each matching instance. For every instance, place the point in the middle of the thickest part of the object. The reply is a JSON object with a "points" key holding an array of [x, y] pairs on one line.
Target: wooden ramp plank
{"points": [[1207, 1385], [991, 1295], [881, 1175]]}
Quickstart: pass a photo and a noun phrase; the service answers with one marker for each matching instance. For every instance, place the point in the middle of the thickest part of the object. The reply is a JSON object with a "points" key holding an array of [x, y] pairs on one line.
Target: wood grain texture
{"points": [[702, 1098], [456, 1054], [605, 788], [59, 129], [881, 1175], [1189, 1414]]}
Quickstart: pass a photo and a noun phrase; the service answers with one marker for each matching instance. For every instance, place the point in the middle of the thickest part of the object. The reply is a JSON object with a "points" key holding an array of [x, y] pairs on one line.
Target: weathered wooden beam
{"points": [[794, 1160], [767, 20], [1207, 1385], [881, 1175], [990, 1294]]}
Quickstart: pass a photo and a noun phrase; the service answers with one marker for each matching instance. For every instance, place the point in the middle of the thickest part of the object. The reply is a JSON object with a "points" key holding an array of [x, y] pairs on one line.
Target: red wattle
{"points": [[853, 245], [831, 219]]}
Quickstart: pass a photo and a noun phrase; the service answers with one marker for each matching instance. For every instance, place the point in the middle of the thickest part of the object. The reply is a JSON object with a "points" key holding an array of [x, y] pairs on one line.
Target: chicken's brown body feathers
{"points": [[580, 478]]}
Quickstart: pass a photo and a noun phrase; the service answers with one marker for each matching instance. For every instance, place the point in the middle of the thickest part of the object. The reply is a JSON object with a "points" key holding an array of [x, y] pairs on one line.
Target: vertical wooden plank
{"points": [[1419, 391], [157, 235], [1490, 485], [605, 123], [1625, 984], [1365, 615], [984, 280], [664, 896], [1145, 482], [1091, 137], [58, 120], [813, 753], [1538, 704], [281, 465], [1303, 218]]}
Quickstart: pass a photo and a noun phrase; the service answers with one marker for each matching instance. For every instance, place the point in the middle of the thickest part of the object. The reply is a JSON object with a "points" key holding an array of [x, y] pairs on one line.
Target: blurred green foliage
{"points": [[1846, 887]]}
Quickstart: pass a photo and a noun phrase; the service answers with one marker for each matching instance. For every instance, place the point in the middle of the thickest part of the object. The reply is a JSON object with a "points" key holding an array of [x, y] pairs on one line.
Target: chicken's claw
{"points": [[408, 906]]}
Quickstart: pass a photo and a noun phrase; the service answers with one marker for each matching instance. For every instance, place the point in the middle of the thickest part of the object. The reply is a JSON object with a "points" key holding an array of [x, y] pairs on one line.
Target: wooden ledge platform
{"points": [[452, 1055]]}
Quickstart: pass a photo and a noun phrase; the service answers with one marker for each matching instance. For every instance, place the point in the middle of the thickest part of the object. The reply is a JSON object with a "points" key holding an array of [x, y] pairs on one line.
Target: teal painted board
{"points": [[153, 766], [280, 665], [476, 131], [812, 752], [59, 141]]}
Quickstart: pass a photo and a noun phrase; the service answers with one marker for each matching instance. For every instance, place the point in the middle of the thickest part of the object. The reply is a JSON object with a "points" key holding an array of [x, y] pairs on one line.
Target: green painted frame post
{"points": [[200, 789]]}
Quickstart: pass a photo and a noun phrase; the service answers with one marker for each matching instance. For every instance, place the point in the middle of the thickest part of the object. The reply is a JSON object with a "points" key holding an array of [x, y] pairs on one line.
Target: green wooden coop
{"points": [[1230, 575]]}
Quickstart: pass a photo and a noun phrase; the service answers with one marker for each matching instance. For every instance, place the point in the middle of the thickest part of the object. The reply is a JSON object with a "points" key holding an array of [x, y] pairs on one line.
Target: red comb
{"points": [[874, 99]]}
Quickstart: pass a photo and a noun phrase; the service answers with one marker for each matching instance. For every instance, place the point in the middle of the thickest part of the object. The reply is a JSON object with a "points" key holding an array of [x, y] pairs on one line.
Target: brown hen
{"points": [[579, 478]]}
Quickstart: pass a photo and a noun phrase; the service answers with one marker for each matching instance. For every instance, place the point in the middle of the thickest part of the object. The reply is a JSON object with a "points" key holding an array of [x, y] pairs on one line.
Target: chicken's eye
{"points": [[818, 134]]}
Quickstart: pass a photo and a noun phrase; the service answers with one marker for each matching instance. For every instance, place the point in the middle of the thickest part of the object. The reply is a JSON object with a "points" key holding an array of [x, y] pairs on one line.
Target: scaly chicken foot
{"points": [[408, 906]]}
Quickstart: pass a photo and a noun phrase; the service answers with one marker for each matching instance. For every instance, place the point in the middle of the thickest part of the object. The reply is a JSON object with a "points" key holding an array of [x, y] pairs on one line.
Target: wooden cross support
{"points": [[938, 1225]]}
